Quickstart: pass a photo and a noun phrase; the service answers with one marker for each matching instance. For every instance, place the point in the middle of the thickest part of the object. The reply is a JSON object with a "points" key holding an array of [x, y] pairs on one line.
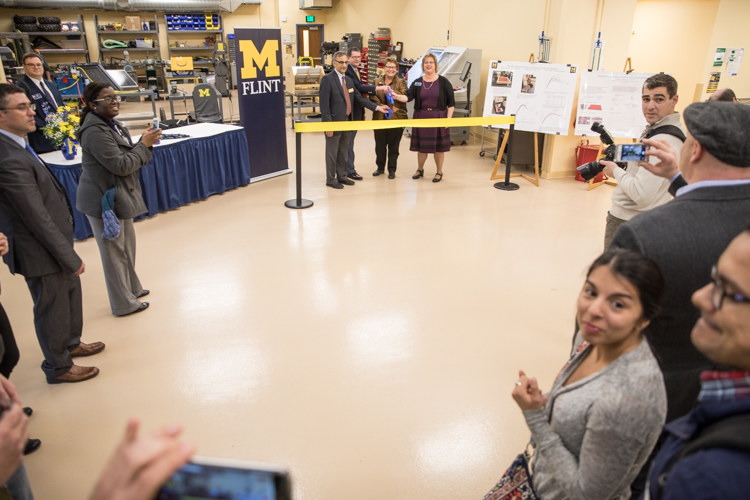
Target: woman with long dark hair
{"points": [[597, 426], [111, 160]]}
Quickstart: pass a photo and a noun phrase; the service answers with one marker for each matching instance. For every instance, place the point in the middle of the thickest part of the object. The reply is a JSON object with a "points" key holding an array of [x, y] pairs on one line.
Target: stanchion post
{"points": [[507, 185], [299, 203]]}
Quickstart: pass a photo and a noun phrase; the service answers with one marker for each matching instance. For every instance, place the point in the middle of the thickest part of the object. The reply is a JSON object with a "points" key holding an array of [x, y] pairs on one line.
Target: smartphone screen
{"points": [[209, 479], [631, 152]]}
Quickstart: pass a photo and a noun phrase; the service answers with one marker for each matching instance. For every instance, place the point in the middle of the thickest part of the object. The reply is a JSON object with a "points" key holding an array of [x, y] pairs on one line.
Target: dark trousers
{"points": [[337, 152], [10, 355], [350, 154], [58, 319], [387, 143]]}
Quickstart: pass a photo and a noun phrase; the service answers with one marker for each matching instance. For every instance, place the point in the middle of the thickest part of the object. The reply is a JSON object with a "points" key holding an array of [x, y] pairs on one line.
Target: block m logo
{"points": [[204, 92], [265, 58]]}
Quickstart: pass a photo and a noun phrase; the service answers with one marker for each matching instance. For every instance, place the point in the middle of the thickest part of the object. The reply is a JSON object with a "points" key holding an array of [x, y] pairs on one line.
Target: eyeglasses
{"points": [[394, 68], [109, 99], [23, 108], [341, 62], [719, 293]]}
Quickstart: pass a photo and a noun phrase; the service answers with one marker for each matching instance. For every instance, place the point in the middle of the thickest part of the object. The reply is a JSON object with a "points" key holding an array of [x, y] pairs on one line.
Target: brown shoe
{"points": [[76, 374], [87, 349]]}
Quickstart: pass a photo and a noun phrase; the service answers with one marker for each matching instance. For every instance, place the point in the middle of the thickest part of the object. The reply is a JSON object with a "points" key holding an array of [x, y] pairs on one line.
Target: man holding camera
{"points": [[637, 189]]}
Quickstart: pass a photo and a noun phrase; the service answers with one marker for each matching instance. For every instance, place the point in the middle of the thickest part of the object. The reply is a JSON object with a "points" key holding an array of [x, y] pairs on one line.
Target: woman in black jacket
{"points": [[434, 99]]}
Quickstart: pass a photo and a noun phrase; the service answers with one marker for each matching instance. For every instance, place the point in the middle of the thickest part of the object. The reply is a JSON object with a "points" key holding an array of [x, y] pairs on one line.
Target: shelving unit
{"points": [[188, 36], [126, 36], [81, 33]]}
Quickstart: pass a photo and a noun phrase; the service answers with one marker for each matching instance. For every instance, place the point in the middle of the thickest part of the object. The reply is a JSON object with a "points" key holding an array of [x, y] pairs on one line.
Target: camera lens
{"points": [[590, 170]]}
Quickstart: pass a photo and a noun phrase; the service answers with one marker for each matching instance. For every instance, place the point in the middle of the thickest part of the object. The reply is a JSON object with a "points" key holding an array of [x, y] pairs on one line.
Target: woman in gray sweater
{"points": [[112, 160], [597, 426]]}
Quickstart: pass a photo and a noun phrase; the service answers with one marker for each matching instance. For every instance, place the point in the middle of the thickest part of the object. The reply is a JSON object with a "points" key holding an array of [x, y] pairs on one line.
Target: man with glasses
{"points": [[37, 218], [720, 426], [687, 235], [44, 95], [355, 58], [337, 97]]}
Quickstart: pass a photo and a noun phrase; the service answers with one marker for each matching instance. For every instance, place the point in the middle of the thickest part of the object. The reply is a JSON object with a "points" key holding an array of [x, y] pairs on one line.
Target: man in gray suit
{"points": [[687, 235], [36, 216], [337, 93]]}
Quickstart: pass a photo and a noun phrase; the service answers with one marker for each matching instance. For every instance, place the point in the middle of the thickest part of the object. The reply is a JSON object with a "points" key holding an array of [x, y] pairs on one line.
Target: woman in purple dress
{"points": [[434, 96]]}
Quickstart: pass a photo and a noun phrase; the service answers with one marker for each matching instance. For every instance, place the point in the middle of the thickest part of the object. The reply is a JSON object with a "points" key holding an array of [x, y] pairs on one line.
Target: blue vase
{"points": [[69, 149]]}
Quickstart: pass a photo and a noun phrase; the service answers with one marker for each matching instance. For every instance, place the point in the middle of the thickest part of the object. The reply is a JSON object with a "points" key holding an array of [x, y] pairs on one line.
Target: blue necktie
{"points": [[47, 94], [28, 148]]}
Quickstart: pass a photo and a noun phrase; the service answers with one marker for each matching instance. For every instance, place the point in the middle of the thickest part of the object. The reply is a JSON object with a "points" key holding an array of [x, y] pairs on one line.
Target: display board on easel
{"points": [[613, 99], [539, 94]]}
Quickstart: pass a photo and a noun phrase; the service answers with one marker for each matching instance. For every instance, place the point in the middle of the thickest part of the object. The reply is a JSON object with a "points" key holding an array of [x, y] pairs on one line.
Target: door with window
{"points": [[309, 40]]}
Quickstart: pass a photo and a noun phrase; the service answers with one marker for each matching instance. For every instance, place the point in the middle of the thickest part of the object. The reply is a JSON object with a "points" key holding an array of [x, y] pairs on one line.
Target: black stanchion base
{"points": [[506, 187], [301, 204]]}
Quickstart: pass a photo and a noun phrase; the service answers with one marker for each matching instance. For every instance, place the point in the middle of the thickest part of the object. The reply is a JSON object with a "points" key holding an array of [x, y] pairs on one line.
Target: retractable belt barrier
{"points": [[311, 127]]}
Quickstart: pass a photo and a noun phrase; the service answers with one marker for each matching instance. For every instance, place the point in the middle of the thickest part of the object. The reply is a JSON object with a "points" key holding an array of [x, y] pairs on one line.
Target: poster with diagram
{"points": [[540, 95], [613, 99]]}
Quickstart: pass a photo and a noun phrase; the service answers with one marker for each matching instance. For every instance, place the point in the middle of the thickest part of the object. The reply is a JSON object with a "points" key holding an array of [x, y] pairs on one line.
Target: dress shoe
{"points": [[391, 175], [347, 182], [87, 349], [143, 307], [28, 411], [420, 173], [31, 446], [377, 173], [436, 178], [355, 176], [75, 374], [335, 185], [144, 293]]}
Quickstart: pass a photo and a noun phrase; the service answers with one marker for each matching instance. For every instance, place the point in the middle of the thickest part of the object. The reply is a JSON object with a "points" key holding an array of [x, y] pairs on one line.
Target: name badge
{"points": [[417, 84], [36, 96], [351, 91]]}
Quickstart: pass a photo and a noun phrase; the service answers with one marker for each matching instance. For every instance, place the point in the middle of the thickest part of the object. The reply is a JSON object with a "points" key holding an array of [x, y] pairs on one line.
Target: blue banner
{"points": [[261, 99]]}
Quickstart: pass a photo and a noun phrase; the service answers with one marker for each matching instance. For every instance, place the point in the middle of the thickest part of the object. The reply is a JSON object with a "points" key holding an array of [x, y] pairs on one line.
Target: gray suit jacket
{"points": [[685, 237], [110, 161], [35, 215], [332, 102]]}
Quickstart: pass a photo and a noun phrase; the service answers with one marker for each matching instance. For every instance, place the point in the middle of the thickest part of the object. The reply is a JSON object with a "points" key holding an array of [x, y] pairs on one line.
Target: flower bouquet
{"points": [[61, 128]]}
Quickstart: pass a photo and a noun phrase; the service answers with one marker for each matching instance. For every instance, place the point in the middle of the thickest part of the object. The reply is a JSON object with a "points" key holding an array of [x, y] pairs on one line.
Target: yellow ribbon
{"points": [[305, 127]]}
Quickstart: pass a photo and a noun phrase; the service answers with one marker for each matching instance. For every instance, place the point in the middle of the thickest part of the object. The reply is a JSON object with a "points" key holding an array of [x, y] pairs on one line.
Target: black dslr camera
{"points": [[590, 170]]}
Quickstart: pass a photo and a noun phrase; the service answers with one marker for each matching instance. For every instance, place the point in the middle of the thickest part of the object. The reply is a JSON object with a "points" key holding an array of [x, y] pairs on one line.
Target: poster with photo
{"points": [[613, 99], [540, 95]]}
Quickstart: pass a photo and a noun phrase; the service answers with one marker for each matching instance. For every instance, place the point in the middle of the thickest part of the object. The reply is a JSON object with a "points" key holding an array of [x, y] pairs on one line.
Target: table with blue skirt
{"points": [[213, 160]]}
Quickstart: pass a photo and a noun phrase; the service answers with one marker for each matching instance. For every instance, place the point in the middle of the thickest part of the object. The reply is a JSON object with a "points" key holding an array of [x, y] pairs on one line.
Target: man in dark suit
{"points": [[687, 235], [36, 216], [44, 94], [358, 112], [337, 98]]}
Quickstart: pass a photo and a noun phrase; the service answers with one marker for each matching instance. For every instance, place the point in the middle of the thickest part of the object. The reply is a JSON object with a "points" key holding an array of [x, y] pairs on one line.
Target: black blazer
{"points": [[332, 103], [446, 98], [676, 184], [357, 110], [35, 215], [685, 237], [37, 141]]}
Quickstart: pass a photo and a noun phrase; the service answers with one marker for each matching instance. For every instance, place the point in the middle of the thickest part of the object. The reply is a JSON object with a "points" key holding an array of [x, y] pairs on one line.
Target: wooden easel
{"points": [[628, 66], [532, 58], [535, 180], [594, 185]]}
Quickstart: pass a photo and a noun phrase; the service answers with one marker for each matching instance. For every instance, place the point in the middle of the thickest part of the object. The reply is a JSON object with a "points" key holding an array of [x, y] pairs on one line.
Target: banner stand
{"points": [[507, 185], [298, 203]]}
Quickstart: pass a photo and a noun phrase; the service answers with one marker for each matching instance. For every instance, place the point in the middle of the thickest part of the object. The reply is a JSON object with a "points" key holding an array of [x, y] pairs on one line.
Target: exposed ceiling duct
{"points": [[131, 5]]}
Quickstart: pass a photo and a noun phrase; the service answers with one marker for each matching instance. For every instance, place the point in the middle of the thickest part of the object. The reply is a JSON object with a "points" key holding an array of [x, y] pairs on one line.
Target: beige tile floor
{"points": [[369, 343]]}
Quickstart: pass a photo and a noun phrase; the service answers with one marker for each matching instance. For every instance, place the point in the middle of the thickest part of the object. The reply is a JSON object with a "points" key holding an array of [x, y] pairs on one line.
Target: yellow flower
{"points": [[72, 134], [64, 123], [67, 108], [74, 119], [59, 109]]}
